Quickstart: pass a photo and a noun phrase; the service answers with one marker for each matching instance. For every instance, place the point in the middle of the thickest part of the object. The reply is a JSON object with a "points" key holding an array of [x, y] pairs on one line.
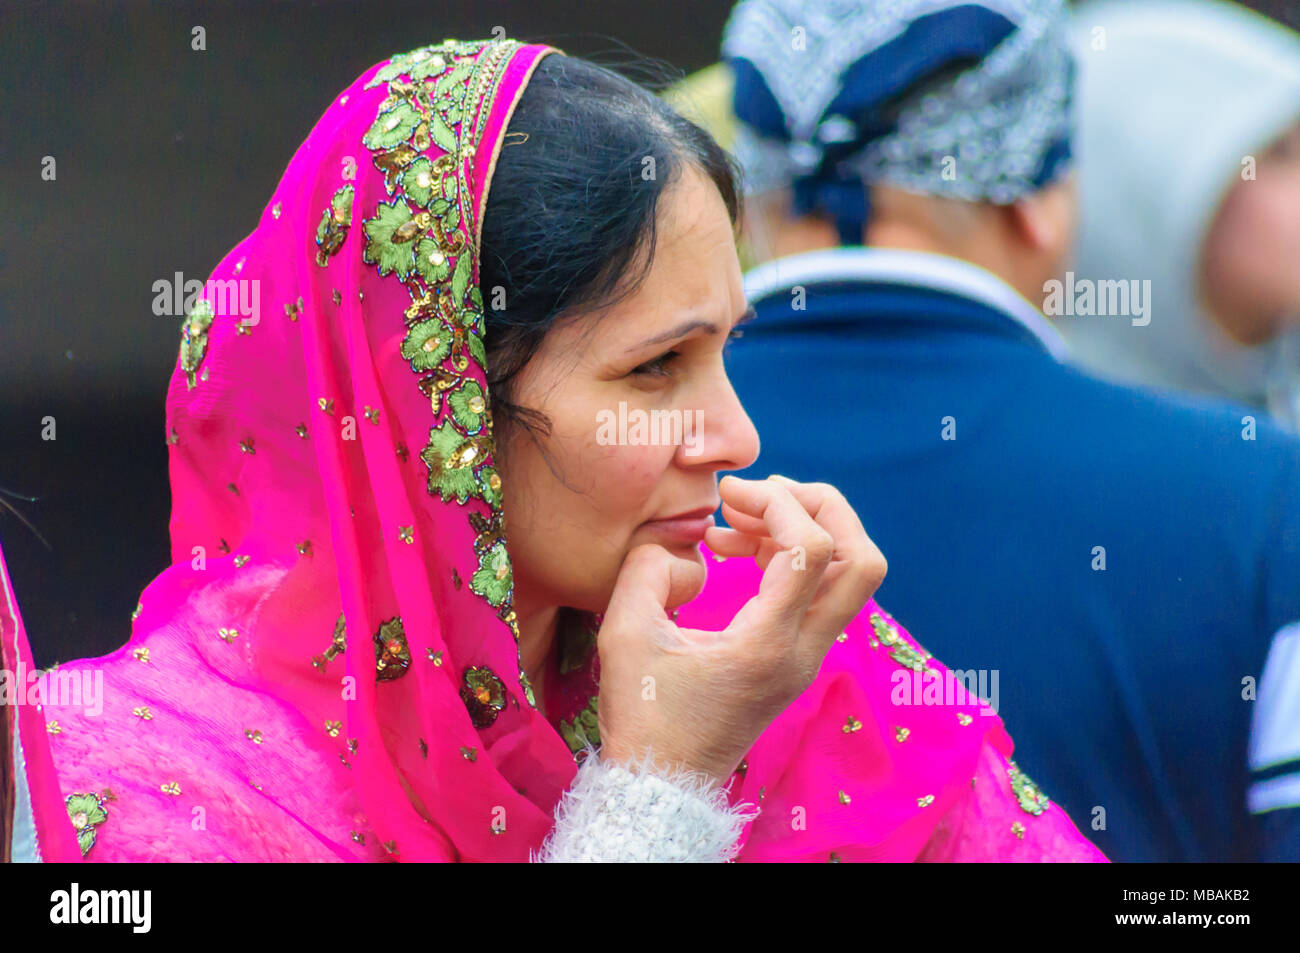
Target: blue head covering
{"points": [[965, 100]]}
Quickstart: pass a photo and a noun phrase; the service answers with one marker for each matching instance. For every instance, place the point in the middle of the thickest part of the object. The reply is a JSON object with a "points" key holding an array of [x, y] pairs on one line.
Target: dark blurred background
{"points": [[165, 159]]}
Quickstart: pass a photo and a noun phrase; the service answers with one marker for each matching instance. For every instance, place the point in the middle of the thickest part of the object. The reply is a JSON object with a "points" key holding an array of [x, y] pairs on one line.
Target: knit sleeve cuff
{"points": [[613, 815]]}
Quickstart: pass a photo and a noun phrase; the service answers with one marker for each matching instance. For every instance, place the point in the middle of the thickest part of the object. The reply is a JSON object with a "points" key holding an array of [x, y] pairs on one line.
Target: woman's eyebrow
{"points": [[686, 327]]}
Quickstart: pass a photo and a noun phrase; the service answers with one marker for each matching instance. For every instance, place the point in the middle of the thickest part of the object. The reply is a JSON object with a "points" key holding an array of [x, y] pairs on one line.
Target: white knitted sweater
{"points": [[613, 815]]}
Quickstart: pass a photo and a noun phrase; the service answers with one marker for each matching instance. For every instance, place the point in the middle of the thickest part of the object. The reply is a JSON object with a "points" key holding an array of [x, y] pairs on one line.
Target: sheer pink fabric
{"points": [[327, 460]]}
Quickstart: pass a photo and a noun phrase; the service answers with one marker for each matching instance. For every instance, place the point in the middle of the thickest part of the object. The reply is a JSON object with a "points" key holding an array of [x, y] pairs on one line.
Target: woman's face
{"points": [[654, 356], [1251, 278]]}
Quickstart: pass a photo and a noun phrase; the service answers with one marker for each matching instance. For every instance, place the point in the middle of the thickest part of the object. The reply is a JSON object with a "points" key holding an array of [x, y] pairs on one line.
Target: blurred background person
{"points": [[1119, 563], [1189, 156]]}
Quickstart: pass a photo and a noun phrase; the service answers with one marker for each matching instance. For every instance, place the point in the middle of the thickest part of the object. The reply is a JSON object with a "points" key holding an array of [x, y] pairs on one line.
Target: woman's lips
{"points": [[681, 529]]}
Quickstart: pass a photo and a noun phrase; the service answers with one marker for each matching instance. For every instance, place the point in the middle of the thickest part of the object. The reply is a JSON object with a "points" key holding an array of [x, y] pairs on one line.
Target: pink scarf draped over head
{"points": [[329, 669]]}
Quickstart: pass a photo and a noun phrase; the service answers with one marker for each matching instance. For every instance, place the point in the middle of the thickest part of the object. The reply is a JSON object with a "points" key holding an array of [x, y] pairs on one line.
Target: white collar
{"points": [[897, 266]]}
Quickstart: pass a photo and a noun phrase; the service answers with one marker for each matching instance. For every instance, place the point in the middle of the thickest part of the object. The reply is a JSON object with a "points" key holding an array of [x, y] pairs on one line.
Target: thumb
{"points": [[652, 581]]}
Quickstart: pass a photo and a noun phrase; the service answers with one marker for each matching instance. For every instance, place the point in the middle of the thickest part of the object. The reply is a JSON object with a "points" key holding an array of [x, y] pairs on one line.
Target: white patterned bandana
{"points": [[963, 100]]}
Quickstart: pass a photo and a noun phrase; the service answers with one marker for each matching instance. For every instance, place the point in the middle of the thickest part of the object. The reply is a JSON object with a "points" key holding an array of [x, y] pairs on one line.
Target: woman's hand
{"points": [[698, 700]]}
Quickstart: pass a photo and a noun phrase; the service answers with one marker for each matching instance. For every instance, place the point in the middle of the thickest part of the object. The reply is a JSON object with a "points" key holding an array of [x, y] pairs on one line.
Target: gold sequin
{"points": [[470, 754], [53, 728], [352, 745], [141, 654], [246, 446], [325, 405], [332, 728], [232, 488], [228, 635], [242, 328], [925, 801], [240, 561], [1018, 829], [173, 437], [172, 788], [304, 547], [224, 546], [424, 749], [963, 718], [390, 846], [371, 414], [275, 210], [406, 534], [337, 647], [901, 733], [851, 725], [136, 614], [435, 657], [834, 859], [402, 452], [338, 298], [301, 431], [844, 798], [843, 636], [358, 837], [254, 735], [143, 713]]}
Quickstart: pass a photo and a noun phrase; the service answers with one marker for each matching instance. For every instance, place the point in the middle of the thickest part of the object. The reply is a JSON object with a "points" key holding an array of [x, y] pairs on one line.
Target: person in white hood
{"points": [[1188, 150]]}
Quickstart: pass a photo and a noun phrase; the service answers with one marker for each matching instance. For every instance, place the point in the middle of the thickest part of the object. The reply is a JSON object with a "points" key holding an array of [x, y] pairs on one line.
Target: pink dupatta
{"points": [[329, 669]]}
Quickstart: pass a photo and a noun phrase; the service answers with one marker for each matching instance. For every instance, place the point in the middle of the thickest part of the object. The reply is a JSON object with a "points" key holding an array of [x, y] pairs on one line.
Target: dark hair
{"points": [[570, 218]]}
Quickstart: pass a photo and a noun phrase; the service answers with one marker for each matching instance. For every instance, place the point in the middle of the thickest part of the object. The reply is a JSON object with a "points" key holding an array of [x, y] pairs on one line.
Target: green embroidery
{"points": [[899, 649], [423, 235], [484, 695], [194, 338], [392, 656], [493, 579], [334, 224], [1031, 798], [87, 812], [583, 728]]}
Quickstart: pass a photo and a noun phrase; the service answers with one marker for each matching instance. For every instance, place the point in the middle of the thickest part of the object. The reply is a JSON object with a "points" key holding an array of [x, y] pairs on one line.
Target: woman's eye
{"points": [[657, 367]]}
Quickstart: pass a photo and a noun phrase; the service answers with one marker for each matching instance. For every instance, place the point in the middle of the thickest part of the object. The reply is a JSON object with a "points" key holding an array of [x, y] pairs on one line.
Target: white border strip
{"points": [[897, 266]]}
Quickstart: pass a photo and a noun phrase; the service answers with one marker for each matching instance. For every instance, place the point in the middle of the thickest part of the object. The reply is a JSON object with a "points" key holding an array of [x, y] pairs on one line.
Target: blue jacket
{"points": [[1122, 559]]}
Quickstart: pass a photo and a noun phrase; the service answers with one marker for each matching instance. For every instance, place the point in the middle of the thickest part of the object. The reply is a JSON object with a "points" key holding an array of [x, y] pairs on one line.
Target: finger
{"points": [[857, 567], [786, 589], [831, 511], [724, 541], [743, 521]]}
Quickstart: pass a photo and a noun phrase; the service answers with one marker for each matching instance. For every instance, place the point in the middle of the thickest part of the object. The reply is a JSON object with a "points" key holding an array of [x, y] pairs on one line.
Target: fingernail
{"points": [[777, 476]]}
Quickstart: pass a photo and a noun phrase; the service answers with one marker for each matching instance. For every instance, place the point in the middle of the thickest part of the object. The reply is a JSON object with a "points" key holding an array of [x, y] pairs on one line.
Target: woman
{"points": [[344, 661], [1189, 169]]}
